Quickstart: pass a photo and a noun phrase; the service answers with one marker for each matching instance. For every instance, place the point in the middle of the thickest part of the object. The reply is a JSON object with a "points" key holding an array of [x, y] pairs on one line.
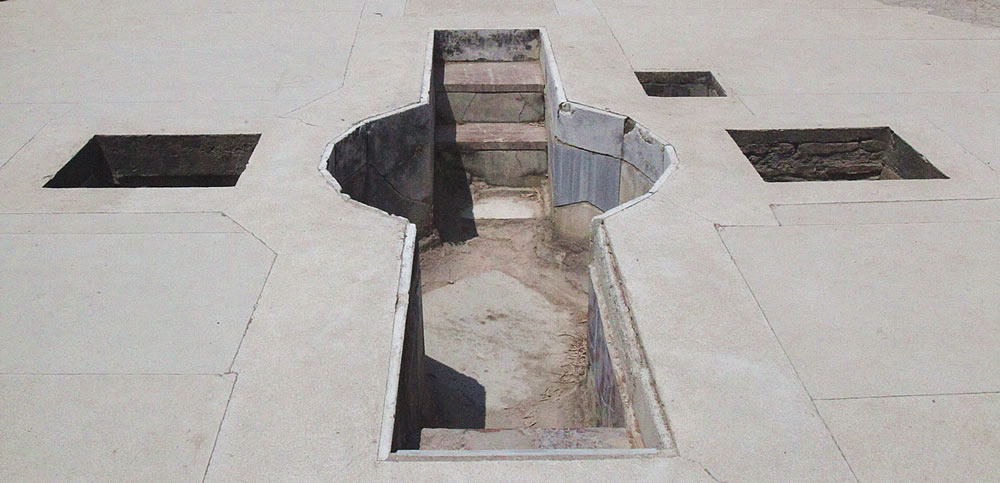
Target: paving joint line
{"points": [[347, 64], [795, 370], [892, 396]]}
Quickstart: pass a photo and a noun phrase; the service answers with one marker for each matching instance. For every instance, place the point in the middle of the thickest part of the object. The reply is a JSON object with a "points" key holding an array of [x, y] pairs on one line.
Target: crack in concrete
{"points": [[32, 138], [891, 396], [222, 420], [703, 467]]}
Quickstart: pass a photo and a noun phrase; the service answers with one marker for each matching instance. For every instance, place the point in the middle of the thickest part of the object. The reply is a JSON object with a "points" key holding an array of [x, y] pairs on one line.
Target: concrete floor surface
{"points": [[817, 331]]}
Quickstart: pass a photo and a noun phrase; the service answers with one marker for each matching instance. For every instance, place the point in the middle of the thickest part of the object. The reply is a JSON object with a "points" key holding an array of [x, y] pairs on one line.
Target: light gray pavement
{"points": [[795, 331]]}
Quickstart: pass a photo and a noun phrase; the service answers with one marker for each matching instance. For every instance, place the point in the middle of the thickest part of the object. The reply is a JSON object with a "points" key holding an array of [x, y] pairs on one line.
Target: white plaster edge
{"points": [[398, 335], [425, 95]]}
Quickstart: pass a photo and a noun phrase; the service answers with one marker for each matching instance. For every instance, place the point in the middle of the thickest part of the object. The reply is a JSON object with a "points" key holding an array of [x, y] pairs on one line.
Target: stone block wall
{"points": [[493, 45], [388, 162], [832, 155], [601, 372]]}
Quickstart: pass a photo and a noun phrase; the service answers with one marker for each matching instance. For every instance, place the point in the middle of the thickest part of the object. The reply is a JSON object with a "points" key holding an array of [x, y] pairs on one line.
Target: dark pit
{"points": [[680, 84], [159, 161], [846, 154]]}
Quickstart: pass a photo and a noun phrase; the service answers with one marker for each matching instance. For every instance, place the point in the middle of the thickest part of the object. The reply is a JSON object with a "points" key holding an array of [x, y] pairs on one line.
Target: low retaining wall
{"points": [[597, 158]]}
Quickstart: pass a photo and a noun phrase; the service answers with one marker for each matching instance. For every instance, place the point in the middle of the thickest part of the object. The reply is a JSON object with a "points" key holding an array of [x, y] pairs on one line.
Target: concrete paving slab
{"points": [[21, 122], [116, 223], [136, 428], [733, 400], [942, 211], [127, 303], [478, 7], [946, 437], [902, 308]]}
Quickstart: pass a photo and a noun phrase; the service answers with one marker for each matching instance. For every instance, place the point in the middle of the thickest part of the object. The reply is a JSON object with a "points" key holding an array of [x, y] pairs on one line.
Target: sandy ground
{"points": [[505, 328]]}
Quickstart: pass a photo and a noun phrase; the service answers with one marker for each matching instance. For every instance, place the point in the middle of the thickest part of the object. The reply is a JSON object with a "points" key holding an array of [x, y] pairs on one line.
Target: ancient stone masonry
{"points": [[131, 161], [680, 84], [387, 163], [832, 155]]}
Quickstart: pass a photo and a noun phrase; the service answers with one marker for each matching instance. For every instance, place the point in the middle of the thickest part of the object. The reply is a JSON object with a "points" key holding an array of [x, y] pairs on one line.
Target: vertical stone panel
{"points": [[579, 175]]}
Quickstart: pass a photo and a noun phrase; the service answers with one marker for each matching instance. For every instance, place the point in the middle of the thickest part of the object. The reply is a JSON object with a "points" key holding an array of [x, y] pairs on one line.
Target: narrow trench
{"points": [[503, 346], [504, 299]]}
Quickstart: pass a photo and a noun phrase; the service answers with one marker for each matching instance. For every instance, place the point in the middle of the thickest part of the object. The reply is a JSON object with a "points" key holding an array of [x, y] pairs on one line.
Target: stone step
{"points": [[465, 107], [498, 203], [483, 136], [491, 77], [528, 438], [519, 169]]}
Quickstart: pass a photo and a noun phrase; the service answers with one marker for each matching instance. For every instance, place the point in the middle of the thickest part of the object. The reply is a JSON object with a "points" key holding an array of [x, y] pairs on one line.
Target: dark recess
{"points": [[157, 161], [844, 154], [680, 84]]}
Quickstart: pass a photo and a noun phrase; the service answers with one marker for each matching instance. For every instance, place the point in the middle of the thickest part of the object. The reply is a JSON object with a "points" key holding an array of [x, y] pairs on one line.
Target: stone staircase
{"points": [[490, 119]]}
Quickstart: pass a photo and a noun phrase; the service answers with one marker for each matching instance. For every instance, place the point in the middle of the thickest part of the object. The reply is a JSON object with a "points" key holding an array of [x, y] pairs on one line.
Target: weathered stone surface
{"points": [[349, 155], [579, 175], [486, 45], [601, 371], [529, 438], [825, 149], [492, 77], [467, 107], [642, 150], [833, 154], [492, 136], [680, 84], [403, 137], [501, 168], [572, 222], [128, 161], [874, 145], [633, 183], [590, 129], [387, 163], [384, 196]]}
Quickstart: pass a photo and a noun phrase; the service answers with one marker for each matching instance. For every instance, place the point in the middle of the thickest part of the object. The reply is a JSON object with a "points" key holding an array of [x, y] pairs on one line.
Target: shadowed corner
{"points": [[457, 400]]}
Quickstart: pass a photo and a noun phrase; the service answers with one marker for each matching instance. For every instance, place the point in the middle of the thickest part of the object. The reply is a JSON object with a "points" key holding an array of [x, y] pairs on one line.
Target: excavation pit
{"points": [[845, 154], [499, 340], [680, 84], [157, 161]]}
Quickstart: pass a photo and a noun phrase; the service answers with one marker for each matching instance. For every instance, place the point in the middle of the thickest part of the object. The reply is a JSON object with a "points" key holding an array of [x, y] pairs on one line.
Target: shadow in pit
{"points": [[453, 214], [459, 401]]}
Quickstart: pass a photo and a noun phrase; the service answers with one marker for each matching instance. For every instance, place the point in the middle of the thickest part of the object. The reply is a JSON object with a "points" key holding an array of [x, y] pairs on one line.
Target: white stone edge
{"points": [[635, 360], [552, 68], [396, 348]]}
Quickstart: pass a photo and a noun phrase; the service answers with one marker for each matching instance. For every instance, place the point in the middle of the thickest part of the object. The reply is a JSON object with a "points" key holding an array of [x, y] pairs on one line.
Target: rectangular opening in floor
{"points": [[844, 154], [680, 84], [160, 161]]}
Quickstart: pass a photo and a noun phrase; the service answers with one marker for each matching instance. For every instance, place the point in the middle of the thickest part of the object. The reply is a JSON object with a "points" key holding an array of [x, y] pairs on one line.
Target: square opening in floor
{"points": [[844, 154], [160, 161], [680, 84]]}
